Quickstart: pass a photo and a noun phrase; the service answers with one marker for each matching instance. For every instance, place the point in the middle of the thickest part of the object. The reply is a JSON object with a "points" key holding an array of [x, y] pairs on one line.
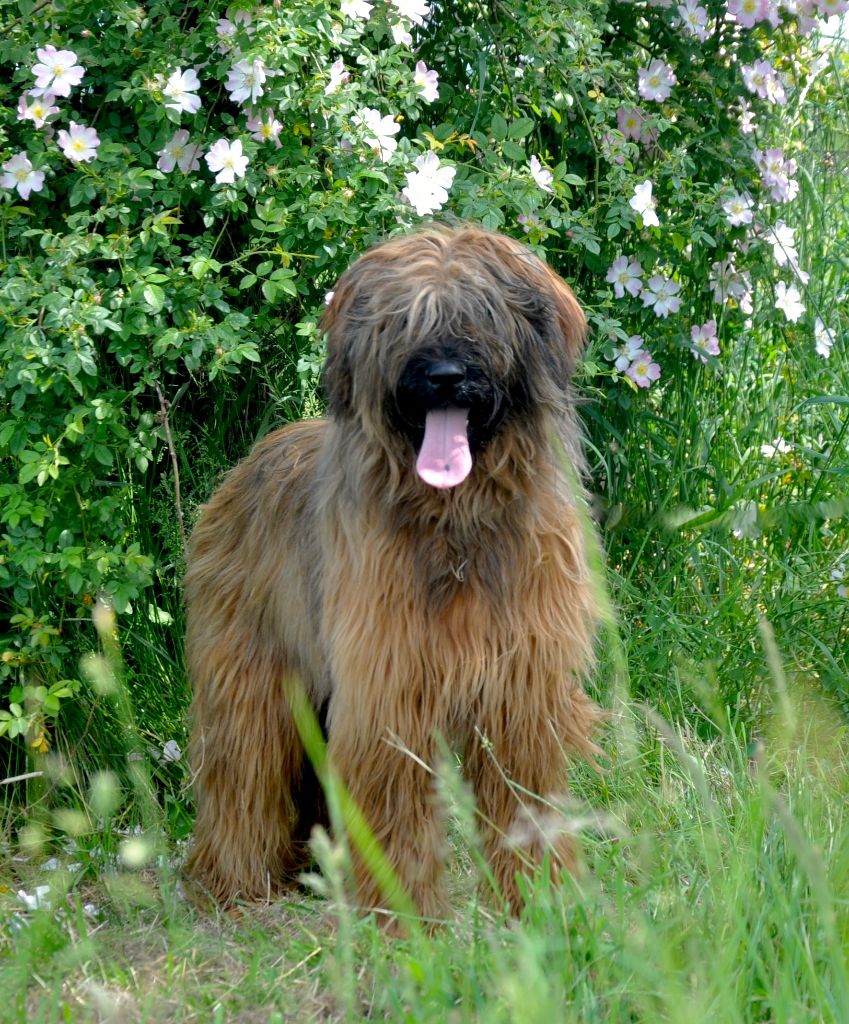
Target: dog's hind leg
{"points": [[249, 775], [248, 640]]}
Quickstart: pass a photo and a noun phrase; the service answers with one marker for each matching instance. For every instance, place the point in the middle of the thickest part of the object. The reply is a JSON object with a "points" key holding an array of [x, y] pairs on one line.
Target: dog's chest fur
{"points": [[444, 619]]}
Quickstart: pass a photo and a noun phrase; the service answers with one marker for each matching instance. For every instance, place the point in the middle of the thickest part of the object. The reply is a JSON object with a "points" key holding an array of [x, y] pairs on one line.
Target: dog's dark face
{"points": [[451, 375], [446, 337], [449, 402]]}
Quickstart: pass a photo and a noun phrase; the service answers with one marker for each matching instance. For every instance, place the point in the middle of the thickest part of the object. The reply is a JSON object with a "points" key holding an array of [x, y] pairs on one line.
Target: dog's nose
{"points": [[447, 371]]}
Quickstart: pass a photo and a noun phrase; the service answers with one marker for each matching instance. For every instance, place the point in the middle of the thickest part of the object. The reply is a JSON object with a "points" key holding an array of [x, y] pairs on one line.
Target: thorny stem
{"points": [[35, 10], [164, 407]]}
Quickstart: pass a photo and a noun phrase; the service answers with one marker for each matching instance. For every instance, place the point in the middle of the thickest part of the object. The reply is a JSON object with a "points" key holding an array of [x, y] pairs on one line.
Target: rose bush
{"points": [[182, 184]]}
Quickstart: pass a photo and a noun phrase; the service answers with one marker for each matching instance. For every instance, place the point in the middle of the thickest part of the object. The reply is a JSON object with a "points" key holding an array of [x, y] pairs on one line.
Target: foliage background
{"points": [[140, 305]]}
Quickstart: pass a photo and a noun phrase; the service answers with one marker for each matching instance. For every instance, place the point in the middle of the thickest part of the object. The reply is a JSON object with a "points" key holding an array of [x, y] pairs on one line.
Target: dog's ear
{"points": [[569, 317], [349, 324]]}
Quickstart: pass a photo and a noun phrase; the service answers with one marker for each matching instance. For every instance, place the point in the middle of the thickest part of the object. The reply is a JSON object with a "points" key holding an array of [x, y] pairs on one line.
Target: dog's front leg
{"points": [[517, 768], [387, 778]]}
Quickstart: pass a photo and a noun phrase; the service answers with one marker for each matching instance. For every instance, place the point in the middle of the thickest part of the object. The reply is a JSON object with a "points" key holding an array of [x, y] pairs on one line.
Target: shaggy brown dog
{"points": [[415, 561]]}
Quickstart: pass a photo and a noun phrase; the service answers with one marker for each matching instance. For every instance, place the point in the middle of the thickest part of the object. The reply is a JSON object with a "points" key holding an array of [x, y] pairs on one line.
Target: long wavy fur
{"points": [[406, 612]]}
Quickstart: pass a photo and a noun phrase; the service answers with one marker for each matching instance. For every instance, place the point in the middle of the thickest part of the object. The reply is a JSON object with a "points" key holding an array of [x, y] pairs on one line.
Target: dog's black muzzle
{"points": [[442, 381]]}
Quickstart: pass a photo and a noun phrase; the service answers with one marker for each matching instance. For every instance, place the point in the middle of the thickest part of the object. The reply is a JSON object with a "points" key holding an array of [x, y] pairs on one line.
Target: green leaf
{"points": [[159, 616], [826, 400], [172, 338], [498, 127], [6, 430], [87, 363], [201, 265], [154, 296], [513, 151], [521, 127], [103, 455], [29, 472]]}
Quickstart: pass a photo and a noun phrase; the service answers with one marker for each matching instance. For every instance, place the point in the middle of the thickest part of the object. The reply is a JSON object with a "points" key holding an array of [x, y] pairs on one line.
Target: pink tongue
{"points": [[445, 459]]}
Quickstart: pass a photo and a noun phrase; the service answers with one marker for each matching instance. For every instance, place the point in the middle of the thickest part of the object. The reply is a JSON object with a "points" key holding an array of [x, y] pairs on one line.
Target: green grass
{"points": [[715, 890]]}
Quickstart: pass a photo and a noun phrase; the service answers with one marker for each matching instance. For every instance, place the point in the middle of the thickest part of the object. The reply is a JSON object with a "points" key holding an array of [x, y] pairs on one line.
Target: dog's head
{"points": [[443, 337]]}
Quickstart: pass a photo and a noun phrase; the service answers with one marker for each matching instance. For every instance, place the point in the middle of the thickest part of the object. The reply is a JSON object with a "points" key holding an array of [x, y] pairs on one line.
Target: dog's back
{"points": [[253, 556]]}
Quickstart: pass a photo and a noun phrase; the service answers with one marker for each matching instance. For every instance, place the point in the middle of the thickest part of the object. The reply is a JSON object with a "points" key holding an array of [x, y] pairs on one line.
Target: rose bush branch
{"points": [[180, 187]]}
